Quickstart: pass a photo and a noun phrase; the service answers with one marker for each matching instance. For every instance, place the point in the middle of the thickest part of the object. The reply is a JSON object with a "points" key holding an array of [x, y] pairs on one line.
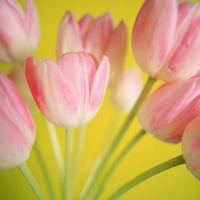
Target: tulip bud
{"points": [[17, 132], [19, 31], [191, 146], [168, 110], [69, 93], [166, 39], [127, 89], [96, 36]]}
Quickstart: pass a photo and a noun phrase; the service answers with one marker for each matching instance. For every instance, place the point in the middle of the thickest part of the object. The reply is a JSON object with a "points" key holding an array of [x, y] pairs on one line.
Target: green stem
{"points": [[44, 169], [31, 181], [79, 148], [95, 175], [117, 161], [56, 149], [146, 175], [67, 187], [77, 157]]}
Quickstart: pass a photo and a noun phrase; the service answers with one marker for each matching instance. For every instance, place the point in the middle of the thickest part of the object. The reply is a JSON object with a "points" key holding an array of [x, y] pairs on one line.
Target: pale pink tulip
{"points": [[166, 39], [127, 89], [69, 93], [191, 146], [96, 36], [168, 110], [17, 132], [19, 31]]}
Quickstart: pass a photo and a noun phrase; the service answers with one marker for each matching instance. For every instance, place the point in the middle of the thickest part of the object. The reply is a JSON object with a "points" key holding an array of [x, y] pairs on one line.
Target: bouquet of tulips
{"points": [[90, 55]]}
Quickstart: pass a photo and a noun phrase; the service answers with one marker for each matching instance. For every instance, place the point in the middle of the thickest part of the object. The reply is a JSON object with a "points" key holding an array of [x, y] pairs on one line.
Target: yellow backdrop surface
{"points": [[174, 184]]}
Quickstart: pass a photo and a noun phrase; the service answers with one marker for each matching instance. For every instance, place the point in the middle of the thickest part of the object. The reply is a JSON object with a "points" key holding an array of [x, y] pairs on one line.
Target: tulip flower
{"points": [[96, 36], [191, 146], [168, 110], [69, 92], [127, 89], [19, 31], [166, 39], [17, 132]]}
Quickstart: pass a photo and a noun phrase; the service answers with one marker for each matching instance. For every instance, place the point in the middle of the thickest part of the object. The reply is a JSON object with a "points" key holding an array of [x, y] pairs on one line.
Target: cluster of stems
{"points": [[94, 184]]}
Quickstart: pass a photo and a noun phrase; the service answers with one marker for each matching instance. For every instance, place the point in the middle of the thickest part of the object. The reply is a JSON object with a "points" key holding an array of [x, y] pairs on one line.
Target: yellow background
{"points": [[175, 184]]}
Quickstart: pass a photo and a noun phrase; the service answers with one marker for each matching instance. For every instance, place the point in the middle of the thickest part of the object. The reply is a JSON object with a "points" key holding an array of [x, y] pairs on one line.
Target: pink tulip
{"points": [[96, 36], [17, 133], [191, 146], [166, 39], [19, 31], [69, 92], [127, 89], [168, 110]]}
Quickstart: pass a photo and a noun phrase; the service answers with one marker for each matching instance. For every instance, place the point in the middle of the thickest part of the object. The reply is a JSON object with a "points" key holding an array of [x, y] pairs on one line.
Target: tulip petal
{"points": [[98, 35], [17, 127], [167, 111], [153, 32], [116, 49], [99, 84], [185, 52], [191, 146], [19, 31], [69, 36]]}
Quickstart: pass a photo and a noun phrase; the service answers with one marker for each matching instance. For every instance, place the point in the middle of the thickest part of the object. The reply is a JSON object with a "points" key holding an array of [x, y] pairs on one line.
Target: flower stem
{"points": [[31, 181], [56, 149], [67, 187], [96, 173], [79, 148], [44, 169], [146, 175], [116, 162]]}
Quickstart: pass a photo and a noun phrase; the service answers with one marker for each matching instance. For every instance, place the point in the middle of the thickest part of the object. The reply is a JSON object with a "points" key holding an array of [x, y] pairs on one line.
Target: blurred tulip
{"points": [[17, 132], [166, 39], [69, 92], [191, 146], [17, 75], [127, 89], [96, 36], [168, 110], [19, 31]]}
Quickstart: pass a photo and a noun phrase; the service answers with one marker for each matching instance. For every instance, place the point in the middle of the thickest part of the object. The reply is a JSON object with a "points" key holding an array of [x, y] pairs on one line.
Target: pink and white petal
{"points": [[78, 71], [31, 23], [98, 35], [17, 126], [186, 52], [191, 146], [173, 131], [84, 24], [69, 36], [167, 104], [99, 87], [153, 34], [116, 50]]}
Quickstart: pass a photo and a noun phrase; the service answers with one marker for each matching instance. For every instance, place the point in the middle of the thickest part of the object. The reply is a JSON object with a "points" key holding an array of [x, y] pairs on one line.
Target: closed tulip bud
{"points": [[191, 146], [96, 36], [166, 39], [127, 89], [17, 132], [168, 110], [19, 31], [69, 93]]}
